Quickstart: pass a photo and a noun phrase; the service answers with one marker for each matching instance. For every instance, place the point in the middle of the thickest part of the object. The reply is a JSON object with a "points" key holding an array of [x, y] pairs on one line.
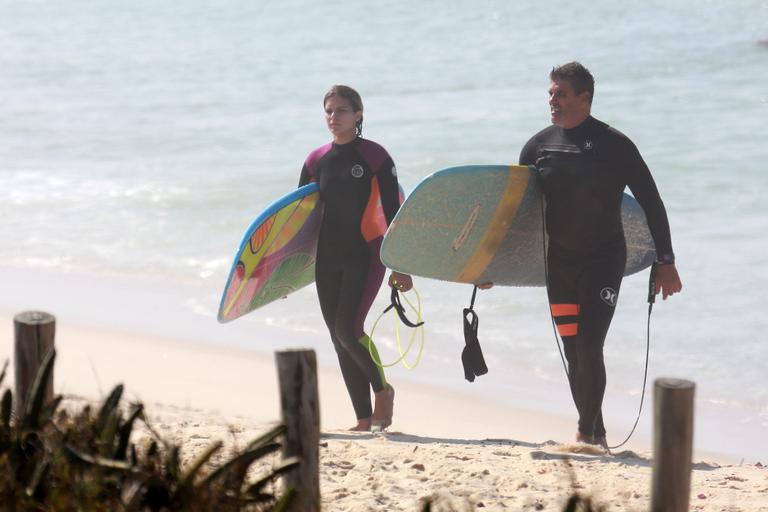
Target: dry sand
{"points": [[467, 454]]}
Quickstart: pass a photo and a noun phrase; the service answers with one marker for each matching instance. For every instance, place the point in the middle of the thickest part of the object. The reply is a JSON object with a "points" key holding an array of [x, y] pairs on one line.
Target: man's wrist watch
{"points": [[666, 258]]}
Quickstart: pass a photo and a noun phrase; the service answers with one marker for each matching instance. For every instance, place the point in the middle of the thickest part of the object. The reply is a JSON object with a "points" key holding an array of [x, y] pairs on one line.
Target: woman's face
{"points": [[341, 118]]}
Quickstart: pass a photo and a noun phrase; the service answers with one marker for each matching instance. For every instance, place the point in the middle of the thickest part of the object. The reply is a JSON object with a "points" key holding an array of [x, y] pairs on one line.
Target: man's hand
{"points": [[667, 280]]}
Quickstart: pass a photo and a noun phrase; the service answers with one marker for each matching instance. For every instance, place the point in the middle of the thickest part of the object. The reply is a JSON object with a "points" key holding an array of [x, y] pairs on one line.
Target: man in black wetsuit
{"points": [[584, 166]]}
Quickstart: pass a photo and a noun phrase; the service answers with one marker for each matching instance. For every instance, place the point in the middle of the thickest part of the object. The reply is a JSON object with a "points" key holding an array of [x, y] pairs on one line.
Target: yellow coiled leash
{"points": [[399, 312]]}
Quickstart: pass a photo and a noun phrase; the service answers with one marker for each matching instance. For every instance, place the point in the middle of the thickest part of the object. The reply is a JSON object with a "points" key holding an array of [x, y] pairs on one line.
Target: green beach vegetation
{"points": [[55, 459]]}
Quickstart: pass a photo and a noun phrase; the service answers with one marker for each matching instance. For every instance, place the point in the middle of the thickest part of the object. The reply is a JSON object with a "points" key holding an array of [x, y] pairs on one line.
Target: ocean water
{"points": [[139, 139]]}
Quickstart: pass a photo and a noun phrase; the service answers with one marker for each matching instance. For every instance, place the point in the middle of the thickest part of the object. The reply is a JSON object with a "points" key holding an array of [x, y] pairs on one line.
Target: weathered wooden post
{"points": [[672, 445], [297, 374], [34, 337]]}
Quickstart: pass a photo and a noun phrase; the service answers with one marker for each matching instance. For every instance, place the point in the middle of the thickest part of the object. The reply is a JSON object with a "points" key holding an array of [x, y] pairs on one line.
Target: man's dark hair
{"points": [[577, 75]]}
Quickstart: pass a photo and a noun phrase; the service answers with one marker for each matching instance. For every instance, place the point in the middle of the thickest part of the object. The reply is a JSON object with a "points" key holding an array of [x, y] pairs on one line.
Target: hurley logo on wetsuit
{"points": [[588, 144], [609, 296], [357, 171]]}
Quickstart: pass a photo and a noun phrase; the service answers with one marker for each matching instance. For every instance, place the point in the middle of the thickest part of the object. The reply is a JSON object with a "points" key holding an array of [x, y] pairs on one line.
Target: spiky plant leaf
{"points": [[157, 494], [246, 458], [107, 433], [26, 448], [36, 393], [30, 442], [125, 432], [285, 501], [109, 407], [2, 373], [189, 474], [267, 437], [152, 450], [102, 462], [172, 463], [7, 407], [34, 489], [284, 467], [46, 415], [132, 496]]}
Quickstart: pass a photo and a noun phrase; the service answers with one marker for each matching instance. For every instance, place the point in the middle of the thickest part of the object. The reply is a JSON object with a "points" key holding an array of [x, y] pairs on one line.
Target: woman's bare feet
{"points": [[363, 425], [383, 406]]}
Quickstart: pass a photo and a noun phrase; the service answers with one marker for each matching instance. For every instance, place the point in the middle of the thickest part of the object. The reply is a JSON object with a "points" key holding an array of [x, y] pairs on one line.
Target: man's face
{"points": [[567, 108]]}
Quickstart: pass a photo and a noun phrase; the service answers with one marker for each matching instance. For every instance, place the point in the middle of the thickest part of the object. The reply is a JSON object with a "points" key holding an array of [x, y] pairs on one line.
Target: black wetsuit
{"points": [[357, 181], [583, 172]]}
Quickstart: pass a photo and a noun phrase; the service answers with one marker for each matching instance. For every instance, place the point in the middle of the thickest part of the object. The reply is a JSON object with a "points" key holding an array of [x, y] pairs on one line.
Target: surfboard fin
{"points": [[472, 355]]}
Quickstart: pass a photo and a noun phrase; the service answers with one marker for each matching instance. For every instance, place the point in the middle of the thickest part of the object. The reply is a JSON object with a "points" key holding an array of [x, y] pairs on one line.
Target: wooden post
{"points": [[34, 338], [297, 374], [672, 445]]}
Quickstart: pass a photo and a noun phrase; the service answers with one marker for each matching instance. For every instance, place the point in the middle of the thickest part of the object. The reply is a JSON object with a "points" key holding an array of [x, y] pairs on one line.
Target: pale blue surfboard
{"points": [[483, 223]]}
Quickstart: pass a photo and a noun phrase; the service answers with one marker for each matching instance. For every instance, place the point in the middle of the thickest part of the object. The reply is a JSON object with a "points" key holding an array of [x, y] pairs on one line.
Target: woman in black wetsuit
{"points": [[357, 180]]}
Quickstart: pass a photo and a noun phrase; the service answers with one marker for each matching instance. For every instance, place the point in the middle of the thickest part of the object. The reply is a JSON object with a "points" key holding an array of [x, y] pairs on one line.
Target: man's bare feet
{"points": [[363, 425], [599, 441], [583, 438], [383, 406]]}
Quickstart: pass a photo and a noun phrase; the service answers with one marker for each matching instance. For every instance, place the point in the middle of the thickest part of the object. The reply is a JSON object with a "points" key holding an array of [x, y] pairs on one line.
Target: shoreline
{"points": [[151, 314], [242, 384]]}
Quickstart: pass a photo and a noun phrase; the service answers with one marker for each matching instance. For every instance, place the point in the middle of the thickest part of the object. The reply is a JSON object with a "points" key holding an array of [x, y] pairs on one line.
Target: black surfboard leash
{"points": [[651, 300], [397, 305]]}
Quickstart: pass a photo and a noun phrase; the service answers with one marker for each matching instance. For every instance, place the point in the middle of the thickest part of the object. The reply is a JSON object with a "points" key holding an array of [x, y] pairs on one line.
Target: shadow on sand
{"points": [[548, 450]]}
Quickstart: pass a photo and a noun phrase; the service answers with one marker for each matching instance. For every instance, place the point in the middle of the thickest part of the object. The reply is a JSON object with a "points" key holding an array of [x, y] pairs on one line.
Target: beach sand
{"points": [[465, 453]]}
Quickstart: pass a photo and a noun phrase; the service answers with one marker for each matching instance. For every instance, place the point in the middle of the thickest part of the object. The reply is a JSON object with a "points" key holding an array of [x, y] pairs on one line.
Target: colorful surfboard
{"points": [[277, 254], [483, 223]]}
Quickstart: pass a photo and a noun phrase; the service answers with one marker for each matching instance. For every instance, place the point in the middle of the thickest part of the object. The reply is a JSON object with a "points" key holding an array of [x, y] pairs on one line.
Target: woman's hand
{"points": [[401, 282]]}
